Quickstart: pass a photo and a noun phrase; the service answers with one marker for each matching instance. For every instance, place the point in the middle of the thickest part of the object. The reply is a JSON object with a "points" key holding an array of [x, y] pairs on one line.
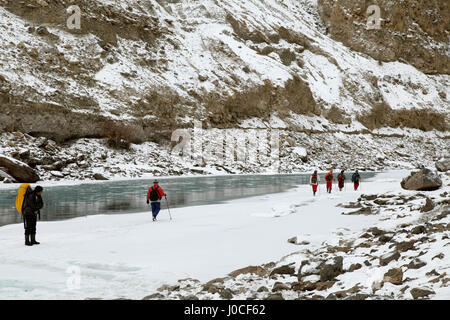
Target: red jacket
{"points": [[159, 190]]}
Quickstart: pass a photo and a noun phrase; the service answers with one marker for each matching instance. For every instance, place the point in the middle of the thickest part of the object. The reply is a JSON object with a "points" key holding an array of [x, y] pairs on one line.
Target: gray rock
{"points": [[376, 232], [286, 269], [424, 180], [98, 176], [394, 276], [262, 289], [226, 294], [429, 205], [421, 293], [443, 165], [278, 286], [405, 246], [275, 296], [416, 264], [331, 296], [41, 142], [329, 271], [189, 297], [6, 177], [293, 240], [18, 170], [418, 230], [155, 296], [354, 267], [388, 257]]}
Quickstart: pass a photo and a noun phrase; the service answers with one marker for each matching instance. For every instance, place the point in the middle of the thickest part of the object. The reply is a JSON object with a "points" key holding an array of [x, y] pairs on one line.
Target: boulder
{"points": [[292, 240], [424, 180], [388, 257], [98, 176], [275, 296], [322, 286], [416, 264], [421, 293], [212, 288], [329, 271], [57, 174], [19, 170], [385, 238], [301, 153], [278, 286], [262, 289], [286, 269], [6, 177], [429, 205], [155, 296], [309, 267], [418, 230], [250, 269], [363, 210], [443, 165], [369, 197], [376, 232], [354, 267], [226, 294], [304, 286], [394, 276], [405, 246]]}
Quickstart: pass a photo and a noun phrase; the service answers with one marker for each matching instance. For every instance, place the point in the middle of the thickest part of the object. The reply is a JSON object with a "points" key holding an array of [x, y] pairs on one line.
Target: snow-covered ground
{"points": [[130, 256]]}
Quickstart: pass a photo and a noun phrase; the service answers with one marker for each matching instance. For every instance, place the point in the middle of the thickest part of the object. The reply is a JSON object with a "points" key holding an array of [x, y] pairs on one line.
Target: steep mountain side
{"points": [[256, 64], [413, 31]]}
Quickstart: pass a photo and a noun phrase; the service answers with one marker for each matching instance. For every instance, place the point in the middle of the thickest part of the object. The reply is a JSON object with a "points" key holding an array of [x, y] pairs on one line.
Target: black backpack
{"points": [[154, 196], [314, 179]]}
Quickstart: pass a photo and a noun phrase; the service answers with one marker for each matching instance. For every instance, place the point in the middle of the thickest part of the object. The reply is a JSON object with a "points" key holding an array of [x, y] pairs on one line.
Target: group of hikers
{"points": [[29, 202], [329, 178]]}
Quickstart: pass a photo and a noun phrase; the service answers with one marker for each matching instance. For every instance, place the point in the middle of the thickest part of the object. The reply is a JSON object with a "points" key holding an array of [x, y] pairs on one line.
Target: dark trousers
{"points": [[156, 206], [29, 221]]}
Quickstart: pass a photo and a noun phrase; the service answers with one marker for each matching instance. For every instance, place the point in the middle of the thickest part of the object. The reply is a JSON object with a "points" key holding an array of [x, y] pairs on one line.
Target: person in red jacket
{"points": [[329, 179], [314, 181], [154, 196]]}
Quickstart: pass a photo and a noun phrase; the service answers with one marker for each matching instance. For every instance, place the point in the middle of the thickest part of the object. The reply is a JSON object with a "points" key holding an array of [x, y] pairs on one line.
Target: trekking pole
{"points": [[167, 204]]}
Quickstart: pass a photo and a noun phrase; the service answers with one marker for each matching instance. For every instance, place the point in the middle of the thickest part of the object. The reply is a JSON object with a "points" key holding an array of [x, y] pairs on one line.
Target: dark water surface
{"points": [[111, 197]]}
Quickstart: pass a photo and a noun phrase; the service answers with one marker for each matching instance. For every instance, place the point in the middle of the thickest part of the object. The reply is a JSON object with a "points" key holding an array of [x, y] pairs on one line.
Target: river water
{"points": [[127, 196]]}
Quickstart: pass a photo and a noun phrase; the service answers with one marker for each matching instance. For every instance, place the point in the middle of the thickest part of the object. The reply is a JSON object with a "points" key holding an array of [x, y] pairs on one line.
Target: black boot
{"points": [[33, 239], [27, 240]]}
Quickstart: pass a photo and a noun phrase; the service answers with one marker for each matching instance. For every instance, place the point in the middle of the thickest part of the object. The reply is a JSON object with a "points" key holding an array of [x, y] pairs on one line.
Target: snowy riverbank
{"points": [[129, 256]]}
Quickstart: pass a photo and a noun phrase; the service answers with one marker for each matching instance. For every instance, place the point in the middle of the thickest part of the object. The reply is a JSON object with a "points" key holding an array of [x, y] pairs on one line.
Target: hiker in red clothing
{"points": [[355, 179], [329, 179], [154, 196], [341, 180], [314, 182]]}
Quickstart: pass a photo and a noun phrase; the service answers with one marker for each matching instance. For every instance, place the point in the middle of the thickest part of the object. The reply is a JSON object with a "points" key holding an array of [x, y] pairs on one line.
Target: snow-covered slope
{"points": [[161, 64], [129, 256]]}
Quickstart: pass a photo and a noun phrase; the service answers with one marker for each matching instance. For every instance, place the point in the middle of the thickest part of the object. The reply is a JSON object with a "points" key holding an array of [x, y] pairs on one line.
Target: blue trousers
{"points": [[156, 206]]}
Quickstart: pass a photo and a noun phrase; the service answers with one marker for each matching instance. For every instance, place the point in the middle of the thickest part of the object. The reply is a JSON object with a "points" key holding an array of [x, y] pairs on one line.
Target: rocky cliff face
{"points": [[415, 32], [301, 66]]}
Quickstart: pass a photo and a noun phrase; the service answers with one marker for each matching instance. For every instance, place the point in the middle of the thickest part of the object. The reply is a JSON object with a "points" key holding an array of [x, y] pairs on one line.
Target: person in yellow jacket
{"points": [[33, 203], [329, 179]]}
